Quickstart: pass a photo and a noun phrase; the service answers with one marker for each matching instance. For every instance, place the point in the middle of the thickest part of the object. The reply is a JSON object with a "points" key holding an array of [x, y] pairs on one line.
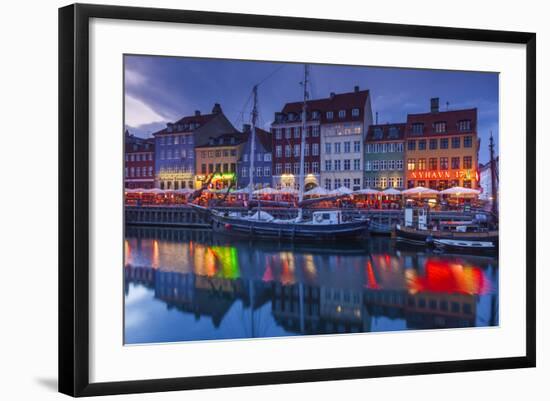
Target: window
{"points": [[467, 184], [278, 169], [393, 132], [422, 144], [267, 171], [347, 182], [378, 133], [399, 164], [337, 165], [391, 164], [347, 164], [411, 163], [342, 113], [288, 150], [278, 151], [330, 115], [245, 157], [296, 150], [315, 149], [444, 163], [367, 182], [259, 171], [288, 168], [162, 155], [337, 183], [355, 112], [440, 127], [455, 162], [432, 163], [328, 165], [267, 157], [383, 182], [422, 164], [347, 147], [455, 142], [391, 182], [288, 133], [210, 168], [467, 163], [315, 166], [306, 149], [150, 171], [245, 172], [337, 147], [203, 168], [433, 144], [468, 141], [444, 143], [399, 182], [464, 125], [296, 168], [383, 165], [315, 131], [357, 146], [328, 148], [357, 164], [375, 165], [297, 132], [368, 165], [218, 153], [411, 145], [417, 128]]}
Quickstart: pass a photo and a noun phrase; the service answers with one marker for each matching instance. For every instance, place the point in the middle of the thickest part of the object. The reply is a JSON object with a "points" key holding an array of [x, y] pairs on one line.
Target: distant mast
{"points": [[494, 191], [301, 180], [253, 142]]}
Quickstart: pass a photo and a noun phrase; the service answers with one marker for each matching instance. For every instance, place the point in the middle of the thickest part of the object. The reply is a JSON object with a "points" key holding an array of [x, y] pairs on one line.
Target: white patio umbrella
{"points": [[341, 191], [265, 191], [460, 191], [420, 191], [155, 191], [287, 190], [366, 191], [134, 190], [317, 191], [183, 191], [391, 191]]}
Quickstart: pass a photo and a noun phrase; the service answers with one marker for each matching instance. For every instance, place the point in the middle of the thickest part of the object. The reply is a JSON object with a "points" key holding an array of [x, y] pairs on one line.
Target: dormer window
{"points": [[330, 115], [355, 112], [465, 125], [211, 141], [315, 115], [342, 114], [393, 132], [290, 116], [417, 128], [232, 140], [440, 127], [378, 133]]}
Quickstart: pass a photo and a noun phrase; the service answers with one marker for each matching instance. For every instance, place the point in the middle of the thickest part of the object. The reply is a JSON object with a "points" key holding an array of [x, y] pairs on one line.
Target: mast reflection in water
{"points": [[185, 285]]}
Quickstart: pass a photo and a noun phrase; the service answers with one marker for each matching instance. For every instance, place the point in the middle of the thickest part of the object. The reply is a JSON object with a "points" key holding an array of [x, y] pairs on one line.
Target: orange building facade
{"points": [[441, 149]]}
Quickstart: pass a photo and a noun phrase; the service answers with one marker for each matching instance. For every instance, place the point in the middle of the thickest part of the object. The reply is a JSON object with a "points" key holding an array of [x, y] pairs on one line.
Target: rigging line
{"points": [[240, 116], [271, 74]]}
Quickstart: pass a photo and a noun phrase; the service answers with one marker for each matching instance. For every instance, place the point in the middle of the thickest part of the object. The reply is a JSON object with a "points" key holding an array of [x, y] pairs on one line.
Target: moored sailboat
{"points": [[323, 225]]}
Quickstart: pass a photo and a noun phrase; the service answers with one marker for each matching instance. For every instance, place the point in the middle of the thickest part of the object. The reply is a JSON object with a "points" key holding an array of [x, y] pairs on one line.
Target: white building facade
{"points": [[344, 124]]}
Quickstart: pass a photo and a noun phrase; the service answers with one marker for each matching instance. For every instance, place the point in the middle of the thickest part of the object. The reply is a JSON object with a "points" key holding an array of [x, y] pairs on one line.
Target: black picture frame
{"points": [[74, 198]]}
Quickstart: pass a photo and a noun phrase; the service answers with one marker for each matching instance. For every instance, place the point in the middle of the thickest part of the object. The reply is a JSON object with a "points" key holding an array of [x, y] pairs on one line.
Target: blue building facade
{"points": [[175, 147], [262, 160]]}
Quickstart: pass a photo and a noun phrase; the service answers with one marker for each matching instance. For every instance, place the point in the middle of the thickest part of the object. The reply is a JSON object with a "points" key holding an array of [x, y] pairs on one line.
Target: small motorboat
{"points": [[465, 245]]}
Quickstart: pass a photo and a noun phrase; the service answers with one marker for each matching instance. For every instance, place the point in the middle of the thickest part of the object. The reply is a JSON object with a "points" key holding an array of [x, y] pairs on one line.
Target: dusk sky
{"points": [[163, 89]]}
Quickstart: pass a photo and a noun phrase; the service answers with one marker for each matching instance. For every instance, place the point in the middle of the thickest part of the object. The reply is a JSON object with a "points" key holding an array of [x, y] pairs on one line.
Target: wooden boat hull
{"points": [[288, 231], [427, 237]]}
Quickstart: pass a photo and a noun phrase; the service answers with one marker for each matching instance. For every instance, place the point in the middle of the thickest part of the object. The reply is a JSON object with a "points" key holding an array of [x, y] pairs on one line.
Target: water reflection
{"points": [[192, 285]]}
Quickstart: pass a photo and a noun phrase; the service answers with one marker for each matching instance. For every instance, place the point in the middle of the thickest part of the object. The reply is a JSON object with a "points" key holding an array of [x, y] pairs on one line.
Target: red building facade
{"points": [[139, 162]]}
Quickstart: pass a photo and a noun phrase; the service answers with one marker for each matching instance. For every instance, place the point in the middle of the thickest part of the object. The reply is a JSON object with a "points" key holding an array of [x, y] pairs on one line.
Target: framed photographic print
{"points": [[249, 199]]}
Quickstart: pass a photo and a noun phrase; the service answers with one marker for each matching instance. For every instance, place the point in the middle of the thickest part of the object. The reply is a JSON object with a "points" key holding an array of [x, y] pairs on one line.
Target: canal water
{"points": [[190, 284]]}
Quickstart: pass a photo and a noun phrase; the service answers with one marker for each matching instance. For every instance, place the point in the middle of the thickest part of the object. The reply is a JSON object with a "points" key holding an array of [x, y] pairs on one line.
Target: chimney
{"points": [[332, 94], [356, 88], [434, 105], [246, 128], [217, 109], [376, 118], [197, 112]]}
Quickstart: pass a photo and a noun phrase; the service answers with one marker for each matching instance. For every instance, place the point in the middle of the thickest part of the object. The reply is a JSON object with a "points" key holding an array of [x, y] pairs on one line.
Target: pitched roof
{"points": [[342, 101], [264, 138], [225, 140], [451, 118], [385, 132]]}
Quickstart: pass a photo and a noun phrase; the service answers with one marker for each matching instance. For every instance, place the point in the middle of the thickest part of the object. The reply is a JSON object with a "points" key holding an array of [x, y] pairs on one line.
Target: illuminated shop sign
{"points": [[444, 175], [217, 176]]}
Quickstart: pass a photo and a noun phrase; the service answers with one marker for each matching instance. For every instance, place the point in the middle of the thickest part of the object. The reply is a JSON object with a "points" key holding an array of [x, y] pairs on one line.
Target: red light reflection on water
{"points": [[450, 276]]}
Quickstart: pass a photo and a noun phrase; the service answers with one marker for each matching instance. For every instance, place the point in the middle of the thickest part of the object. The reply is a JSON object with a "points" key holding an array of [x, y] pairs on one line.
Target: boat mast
{"points": [[494, 194], [253, 142], [301, 179]]}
